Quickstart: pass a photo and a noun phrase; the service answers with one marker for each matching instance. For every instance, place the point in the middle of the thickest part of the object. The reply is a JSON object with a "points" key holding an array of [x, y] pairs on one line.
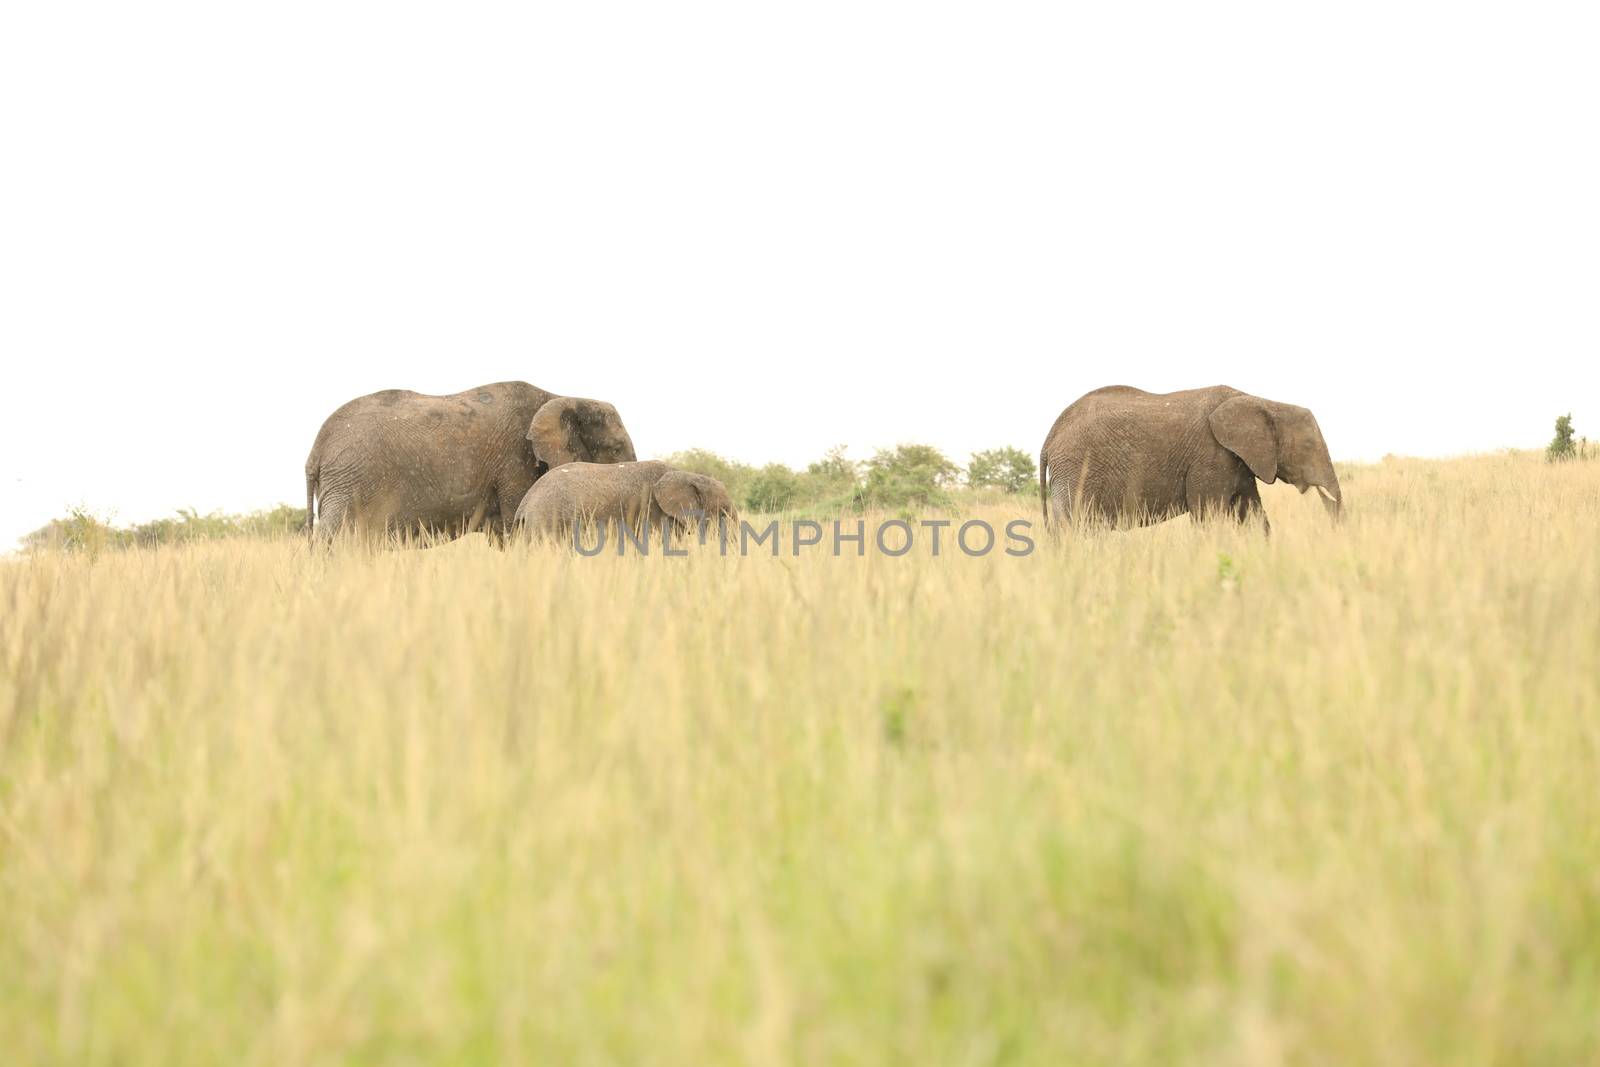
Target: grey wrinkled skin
{"points": [[402, 464], [1124, 456], [629, 493]]}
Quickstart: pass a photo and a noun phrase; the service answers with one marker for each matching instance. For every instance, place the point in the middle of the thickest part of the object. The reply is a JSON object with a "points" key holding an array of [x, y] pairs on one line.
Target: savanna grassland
{"points": [[1183, 795]]}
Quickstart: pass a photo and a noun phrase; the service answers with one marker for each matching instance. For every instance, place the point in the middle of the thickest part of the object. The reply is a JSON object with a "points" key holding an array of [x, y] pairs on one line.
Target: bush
{"points": [[772, 488], [285, 519], [829, 484], [731, 473], [908, 476], [1561, 446], [834, 470], [82, 531], [1010, 469]]}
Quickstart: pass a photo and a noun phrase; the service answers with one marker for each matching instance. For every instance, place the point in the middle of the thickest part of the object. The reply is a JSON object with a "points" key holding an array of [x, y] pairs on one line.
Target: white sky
{"points": [[768, 229]]}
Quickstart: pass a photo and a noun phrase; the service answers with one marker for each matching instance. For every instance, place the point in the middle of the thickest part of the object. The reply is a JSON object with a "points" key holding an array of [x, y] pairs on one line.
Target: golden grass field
{"points": [[1182, 795]]}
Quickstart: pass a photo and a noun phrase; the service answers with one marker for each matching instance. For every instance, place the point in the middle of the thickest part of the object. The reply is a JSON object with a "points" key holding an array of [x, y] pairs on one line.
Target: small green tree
{"points": [[81, 531], [834, 469], [1007, 468], [831, 482], [1561, 446], [772, 488], [908, 475]]}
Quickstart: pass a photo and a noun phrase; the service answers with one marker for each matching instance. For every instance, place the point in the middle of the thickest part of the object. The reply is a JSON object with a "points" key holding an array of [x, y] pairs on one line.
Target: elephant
{"points": [[643, 496], [399, 463], [1125, 456]]}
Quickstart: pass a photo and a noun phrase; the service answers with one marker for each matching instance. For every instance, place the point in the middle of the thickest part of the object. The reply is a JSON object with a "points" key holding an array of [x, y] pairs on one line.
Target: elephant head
{"points": [[689, 498], [1278, 441], [572, 429]]}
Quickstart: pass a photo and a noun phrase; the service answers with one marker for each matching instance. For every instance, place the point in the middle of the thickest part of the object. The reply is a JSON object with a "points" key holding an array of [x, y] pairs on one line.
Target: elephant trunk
{"points": [[1332, 500]]}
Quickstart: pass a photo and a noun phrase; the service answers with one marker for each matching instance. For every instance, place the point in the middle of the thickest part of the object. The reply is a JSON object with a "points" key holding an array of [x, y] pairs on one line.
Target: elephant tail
{"points": [[1044, 482], [313, 476]]}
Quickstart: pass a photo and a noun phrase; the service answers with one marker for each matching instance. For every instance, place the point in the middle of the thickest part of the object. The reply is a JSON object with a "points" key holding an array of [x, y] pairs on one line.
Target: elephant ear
{"points": [[574, 429], [555, 433], [678, 494], [1244, 426]]}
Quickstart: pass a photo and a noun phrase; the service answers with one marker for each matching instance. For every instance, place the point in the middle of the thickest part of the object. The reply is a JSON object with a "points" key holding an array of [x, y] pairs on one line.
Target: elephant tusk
{"points": [[1333, 504]]}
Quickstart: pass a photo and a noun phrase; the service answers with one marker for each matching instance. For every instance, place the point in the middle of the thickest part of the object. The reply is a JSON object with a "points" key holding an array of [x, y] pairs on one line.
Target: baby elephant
{"points": [[633, 493]]}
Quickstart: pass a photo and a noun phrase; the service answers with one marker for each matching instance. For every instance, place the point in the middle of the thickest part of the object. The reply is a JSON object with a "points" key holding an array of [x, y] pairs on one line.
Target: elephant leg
{"points": [[1204, 507], [1247, 506], [496, 527], [484, 517], [331, 520], [1060, 506], [502, 526], [1072, 506], [342, 520]]}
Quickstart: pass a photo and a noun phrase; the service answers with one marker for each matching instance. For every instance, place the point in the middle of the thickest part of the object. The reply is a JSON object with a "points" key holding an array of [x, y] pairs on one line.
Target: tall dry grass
{"points": [[1182, 795]]}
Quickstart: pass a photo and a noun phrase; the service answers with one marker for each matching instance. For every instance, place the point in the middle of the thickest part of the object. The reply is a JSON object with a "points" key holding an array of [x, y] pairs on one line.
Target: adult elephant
{"points": [[1126, 456], [402, 463]]}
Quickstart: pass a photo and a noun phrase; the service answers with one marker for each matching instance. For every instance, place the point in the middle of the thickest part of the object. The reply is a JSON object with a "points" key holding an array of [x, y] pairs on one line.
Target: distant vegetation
{"points": [[82, 530], [893, 479], [1562, 446], [908, 476], [1010, 469]]}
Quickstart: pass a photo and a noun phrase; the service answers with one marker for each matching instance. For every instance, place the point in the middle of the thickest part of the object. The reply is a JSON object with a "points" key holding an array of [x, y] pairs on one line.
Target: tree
{"points": [[1561, 446], [1008, 468], [908, 475], [772, 488], [835, 470]]}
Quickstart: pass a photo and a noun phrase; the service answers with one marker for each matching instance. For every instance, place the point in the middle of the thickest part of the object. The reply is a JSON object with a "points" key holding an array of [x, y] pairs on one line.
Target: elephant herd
{"points": [[496, 458], [511, 456]]}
